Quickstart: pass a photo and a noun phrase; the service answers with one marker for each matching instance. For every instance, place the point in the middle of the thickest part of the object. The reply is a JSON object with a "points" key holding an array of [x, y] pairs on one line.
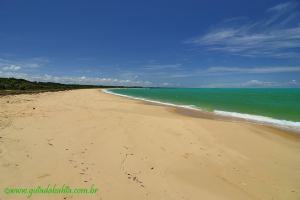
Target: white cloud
{"points": [[211, 71], [162, 67], [33, 65], [283, 7], [166, 84], [255, 70], [257, 83], [276, 36], [77, 80], [17, 64], [254, 84], [11, 68]]}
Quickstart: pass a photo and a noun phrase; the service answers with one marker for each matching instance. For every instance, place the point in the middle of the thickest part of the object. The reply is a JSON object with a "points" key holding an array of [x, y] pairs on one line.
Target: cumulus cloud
{"points": [[11, 68], [76, 80], [277, 35], [221, 70], [17, 64], [255, 84]]}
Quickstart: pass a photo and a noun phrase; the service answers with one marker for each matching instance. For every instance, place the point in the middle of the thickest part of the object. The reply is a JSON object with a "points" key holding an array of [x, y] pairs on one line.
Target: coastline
{"points": [[288, 126], [135, 150]]}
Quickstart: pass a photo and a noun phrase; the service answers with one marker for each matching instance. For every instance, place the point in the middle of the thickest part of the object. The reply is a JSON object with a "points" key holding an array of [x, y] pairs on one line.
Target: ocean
{"points": [[280, 107]]}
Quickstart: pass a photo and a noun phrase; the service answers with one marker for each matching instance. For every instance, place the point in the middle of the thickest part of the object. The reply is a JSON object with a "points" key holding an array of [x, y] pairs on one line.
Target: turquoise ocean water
{"points": [[275, 106]]}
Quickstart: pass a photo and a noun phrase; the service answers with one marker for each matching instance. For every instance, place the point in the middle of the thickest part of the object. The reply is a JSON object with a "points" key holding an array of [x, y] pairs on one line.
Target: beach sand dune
{"points": [[132, 150]]}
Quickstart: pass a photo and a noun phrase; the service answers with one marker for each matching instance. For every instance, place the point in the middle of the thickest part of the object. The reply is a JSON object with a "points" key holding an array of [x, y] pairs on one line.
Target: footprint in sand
{"points": [[68, 197], [187, 155], [135, 179], [43, 176]]}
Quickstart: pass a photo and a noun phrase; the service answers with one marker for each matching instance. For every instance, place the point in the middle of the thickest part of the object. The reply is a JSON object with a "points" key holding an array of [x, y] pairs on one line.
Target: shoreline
{"points": [[223, 115]]}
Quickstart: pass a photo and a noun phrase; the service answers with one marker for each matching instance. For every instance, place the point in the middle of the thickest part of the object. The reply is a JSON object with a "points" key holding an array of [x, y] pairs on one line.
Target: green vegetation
{"points": [[20, 86]]}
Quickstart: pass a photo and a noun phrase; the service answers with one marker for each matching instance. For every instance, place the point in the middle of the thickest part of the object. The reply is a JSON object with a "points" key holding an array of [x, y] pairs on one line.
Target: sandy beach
{"points": [[134, 150]]}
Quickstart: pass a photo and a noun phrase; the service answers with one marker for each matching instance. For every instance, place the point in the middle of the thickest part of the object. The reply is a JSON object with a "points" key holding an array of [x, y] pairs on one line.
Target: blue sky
{"points": [[207, 43]]}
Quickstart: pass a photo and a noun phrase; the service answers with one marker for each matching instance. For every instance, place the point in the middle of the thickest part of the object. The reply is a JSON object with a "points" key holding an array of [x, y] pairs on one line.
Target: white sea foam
{"points": [[295, 126], [261, 119], [192, 107]]}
